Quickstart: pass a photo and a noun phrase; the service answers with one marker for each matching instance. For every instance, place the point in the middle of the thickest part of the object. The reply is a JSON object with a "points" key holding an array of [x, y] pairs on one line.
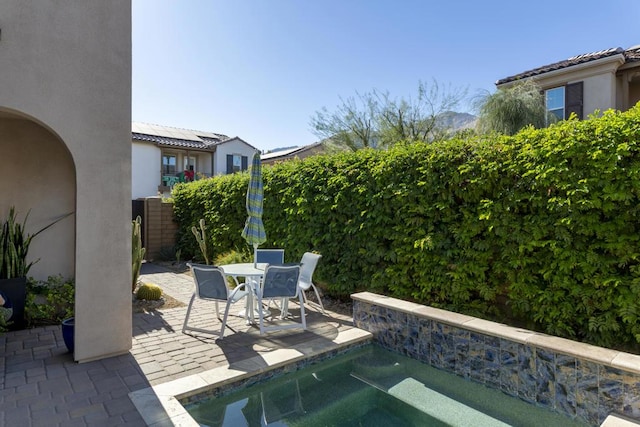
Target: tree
{"points": [[377, 120], [352, 125], [509, 110], [417, 119]]}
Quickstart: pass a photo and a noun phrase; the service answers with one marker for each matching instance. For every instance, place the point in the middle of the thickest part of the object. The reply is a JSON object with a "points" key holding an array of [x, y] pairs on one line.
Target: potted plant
{"points": [[14, 248], [68, 332]]}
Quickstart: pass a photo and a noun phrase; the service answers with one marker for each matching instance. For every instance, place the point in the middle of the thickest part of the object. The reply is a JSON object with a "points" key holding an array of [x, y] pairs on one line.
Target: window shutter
{"points": [[573, 99], [245, 163], [229, 163]]}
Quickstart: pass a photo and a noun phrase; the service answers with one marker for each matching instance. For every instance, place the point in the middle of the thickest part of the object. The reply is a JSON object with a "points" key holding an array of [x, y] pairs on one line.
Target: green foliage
{"points": [[5, 315], [509, 110], [233, 257], [149, 291], [137, 251], [15, 243], [541, 226], [50, 301], [220, 201]]}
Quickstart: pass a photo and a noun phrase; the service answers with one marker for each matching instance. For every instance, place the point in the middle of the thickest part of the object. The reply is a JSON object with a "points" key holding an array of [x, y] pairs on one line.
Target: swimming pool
{"points": [[373, 387]]}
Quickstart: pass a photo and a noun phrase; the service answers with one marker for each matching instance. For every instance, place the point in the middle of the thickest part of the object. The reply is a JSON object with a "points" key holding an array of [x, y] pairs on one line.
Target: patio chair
{"points": [[211, 285], [280, 282], [308, 265], [270, 256]]}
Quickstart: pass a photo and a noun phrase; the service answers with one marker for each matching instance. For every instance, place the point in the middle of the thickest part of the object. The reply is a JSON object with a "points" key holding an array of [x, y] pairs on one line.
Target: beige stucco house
{"points": [[607, 79], [162, 156], [65, 129]]}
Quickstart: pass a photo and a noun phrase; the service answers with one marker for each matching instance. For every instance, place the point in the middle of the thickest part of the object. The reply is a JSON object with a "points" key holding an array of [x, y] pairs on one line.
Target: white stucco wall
{"points": [[231, 147], [146, 160], [66, 64], [204, 163]]}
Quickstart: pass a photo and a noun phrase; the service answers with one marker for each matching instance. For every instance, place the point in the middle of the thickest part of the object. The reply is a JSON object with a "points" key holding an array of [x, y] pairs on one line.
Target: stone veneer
{"points": [[580, 380]]}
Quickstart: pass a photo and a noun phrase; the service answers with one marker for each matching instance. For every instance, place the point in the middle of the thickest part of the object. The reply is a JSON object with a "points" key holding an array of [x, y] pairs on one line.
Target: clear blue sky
{"points": [[260, 69]]}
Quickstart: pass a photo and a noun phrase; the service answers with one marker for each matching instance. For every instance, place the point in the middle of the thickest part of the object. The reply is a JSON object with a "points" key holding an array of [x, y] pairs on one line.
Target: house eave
{"points": [[183, 148], [172, 143], [615, 61], [629, 65]]}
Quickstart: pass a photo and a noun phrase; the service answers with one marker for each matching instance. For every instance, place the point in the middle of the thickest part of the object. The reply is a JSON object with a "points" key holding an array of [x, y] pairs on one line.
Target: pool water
{"points": [[371, 387]]}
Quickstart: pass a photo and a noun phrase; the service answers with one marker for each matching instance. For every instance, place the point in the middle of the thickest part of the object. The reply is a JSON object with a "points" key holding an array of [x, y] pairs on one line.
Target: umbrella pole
{"points": [[255, 256]]}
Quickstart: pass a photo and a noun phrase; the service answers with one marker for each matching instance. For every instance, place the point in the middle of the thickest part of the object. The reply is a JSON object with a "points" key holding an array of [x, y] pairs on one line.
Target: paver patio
{"points": [[43, 386]]}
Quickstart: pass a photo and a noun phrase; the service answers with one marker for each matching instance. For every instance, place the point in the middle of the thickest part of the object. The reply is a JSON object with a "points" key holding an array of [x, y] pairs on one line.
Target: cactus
{"points": [[137, 251], [201, 237], [149, 291]]}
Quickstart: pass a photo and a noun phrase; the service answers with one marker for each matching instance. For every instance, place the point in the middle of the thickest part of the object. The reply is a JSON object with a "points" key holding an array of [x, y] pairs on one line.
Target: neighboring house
{"points": [[292, 153], [608, 79], [162, 156]]}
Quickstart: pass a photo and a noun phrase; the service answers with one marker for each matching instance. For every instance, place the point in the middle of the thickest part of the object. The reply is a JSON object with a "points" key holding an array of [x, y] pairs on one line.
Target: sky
{"points": [[261, 69]]}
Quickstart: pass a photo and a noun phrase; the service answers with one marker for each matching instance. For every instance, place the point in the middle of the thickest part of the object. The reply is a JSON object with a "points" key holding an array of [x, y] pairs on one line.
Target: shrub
{"points": [[233, 257], [541, 225], [49, 301]]}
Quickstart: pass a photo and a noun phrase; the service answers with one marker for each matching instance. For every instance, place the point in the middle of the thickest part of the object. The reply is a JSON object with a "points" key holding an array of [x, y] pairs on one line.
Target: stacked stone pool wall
{"points": [[580, 380]]}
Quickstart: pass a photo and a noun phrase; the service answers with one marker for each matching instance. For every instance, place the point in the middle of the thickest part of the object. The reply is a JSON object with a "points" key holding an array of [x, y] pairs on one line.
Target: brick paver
{"points": [[41, 385]]}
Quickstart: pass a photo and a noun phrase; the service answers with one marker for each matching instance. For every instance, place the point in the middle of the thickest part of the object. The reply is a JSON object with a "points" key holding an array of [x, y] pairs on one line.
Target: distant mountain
{"points": [[457, 121]]}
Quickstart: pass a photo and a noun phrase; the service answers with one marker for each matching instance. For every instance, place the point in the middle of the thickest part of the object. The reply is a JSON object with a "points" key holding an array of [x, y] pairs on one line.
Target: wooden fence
{"points": [[158, 226]]}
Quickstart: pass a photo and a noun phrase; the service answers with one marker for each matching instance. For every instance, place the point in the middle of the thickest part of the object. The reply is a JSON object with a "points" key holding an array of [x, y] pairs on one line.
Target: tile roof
{"points": [[279, 153], [176, 137], [631, 55], [288, 152]]}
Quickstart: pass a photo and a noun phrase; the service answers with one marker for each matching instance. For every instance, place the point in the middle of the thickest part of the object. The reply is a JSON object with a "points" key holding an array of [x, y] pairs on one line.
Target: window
{"points": [[564, 100], [190, 164], [555, 102], [237, 163], [168, 164]]}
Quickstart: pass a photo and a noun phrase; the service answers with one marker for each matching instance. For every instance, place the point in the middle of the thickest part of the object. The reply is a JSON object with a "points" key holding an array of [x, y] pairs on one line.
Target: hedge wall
{"points": [[541, 227]]}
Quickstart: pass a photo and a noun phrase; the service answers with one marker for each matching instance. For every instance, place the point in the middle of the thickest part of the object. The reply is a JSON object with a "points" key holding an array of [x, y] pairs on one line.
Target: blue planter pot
{"points": [[68, 330]]}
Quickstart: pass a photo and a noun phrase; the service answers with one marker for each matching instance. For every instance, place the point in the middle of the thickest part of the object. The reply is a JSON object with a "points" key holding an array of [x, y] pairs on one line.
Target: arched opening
{"points": [[38, 177]]}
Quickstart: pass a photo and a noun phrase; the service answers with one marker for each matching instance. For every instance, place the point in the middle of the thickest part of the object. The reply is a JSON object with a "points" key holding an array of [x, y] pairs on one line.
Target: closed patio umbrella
{"points": [[253, 231]]}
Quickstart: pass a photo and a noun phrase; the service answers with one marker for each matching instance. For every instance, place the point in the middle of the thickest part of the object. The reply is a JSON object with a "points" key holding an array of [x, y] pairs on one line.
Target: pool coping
{"points": [[160, 405], [619, 421]]}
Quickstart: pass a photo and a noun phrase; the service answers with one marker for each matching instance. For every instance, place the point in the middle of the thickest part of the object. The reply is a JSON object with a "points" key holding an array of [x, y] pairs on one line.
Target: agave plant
{"points": [[14, 246]]}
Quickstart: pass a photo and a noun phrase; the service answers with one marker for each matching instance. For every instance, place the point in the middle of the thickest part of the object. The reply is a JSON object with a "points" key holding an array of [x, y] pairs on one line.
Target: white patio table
{"points": [[253, 277]]}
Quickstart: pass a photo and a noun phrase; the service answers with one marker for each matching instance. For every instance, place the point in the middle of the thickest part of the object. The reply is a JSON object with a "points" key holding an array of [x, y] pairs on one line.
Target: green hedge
{"points": [[540, 227]]}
